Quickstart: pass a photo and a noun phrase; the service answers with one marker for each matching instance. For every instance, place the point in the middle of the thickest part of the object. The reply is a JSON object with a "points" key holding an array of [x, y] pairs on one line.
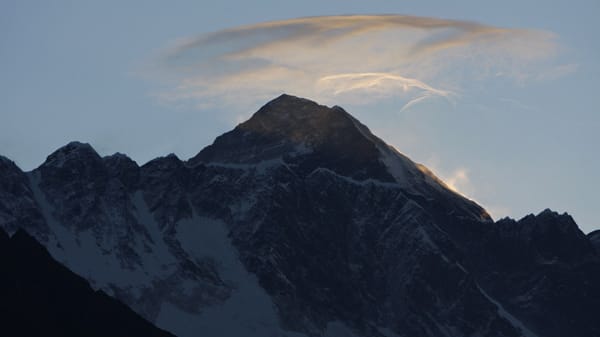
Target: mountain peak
{"points": [[7, 163], [290, 99], [77, 146], [309, 138], [292, 120], [287, 105], [548, 213], [304, 134], [298, 119], [72, 152], [3, 159]]}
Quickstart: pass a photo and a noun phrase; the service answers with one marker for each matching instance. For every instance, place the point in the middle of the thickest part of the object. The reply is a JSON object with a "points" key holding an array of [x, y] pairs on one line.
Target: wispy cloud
{"points": [[350, 58], [459, 181]]}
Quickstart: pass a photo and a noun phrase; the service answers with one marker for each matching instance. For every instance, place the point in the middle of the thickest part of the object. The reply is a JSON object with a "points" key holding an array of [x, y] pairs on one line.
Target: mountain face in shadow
{"points": [[301, 222], [40, 297]]}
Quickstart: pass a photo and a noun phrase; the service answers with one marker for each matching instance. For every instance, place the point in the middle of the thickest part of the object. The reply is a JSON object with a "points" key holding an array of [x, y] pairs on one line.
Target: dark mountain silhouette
{"points": [[40, 297]]}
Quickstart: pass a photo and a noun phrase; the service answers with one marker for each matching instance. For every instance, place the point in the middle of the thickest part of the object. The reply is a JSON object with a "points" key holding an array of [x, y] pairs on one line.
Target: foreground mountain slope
{"points": [[301, 222], [40, 297]]}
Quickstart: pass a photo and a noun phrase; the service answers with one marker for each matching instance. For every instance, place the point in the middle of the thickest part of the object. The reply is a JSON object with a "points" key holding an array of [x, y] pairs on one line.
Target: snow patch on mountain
{"points": [[508, 316], [364, 182], [161, 259], [249, 310], [260, 167], [82, 252]]}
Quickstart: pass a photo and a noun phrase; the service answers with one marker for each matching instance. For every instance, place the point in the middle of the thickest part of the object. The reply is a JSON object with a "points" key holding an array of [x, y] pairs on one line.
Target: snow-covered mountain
{"points": [[301, 222]]}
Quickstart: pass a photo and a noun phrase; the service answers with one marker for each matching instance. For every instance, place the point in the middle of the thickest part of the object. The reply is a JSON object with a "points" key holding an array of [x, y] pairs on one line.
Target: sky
{"points": [[497, 98]]}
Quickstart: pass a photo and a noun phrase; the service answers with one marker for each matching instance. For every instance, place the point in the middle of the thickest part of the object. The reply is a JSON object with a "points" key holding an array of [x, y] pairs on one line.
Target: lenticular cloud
{"points": [[349, 58]]}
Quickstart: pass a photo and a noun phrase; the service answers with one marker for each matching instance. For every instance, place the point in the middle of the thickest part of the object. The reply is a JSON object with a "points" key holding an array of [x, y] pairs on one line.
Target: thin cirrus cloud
{"points": [[353, 59]]}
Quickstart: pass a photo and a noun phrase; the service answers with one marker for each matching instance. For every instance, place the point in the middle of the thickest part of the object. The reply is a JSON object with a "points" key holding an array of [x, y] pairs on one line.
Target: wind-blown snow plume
{"points": [[351, 59]]}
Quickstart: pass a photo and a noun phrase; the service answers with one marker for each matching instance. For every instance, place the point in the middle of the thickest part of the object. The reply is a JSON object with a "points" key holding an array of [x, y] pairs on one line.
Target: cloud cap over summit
{"points": [[360, 57]]}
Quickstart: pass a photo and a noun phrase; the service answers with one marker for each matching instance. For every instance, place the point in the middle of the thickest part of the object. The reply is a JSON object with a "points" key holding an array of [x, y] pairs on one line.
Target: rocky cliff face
{"points": [[541, 267], [301, 222]]}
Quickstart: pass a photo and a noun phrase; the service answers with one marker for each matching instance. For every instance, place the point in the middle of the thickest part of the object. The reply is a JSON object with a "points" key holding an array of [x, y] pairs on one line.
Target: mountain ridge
{"points": [[322, 242]]}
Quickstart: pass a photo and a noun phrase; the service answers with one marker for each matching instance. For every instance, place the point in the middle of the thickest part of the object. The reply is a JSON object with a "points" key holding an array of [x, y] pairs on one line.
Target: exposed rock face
{"points": [[540, 267], [301, 222], [18, 208]]}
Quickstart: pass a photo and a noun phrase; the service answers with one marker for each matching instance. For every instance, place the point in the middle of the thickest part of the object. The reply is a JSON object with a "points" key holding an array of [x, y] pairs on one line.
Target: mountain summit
{"points": [[303, 134], [300, 222], [307, 137]]}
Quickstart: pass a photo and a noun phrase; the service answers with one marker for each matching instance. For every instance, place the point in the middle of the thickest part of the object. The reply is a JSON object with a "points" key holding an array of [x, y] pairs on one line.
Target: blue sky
{"points": [[96, 72]]}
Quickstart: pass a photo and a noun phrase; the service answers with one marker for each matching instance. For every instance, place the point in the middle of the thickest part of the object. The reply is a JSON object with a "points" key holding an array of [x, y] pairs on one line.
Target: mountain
{"points": [[40, 297], [595, 239], [301, 222]]}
